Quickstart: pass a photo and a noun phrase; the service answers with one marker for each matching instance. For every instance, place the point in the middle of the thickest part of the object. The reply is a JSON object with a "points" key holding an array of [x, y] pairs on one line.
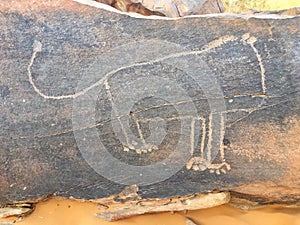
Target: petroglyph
{"points": [[37, 47], [251, 40], [202, 157], [204, 160]]}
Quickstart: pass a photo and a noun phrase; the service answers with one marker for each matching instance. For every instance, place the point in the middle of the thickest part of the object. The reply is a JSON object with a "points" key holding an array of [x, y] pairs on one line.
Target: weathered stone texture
{"points": [[54, 56]]}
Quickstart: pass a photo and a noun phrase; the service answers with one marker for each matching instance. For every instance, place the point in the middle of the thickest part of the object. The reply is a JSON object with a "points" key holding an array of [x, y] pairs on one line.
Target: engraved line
{"points": [[110, 97], [252, 110], [222, 130], [171, 118], [199, 99], [242, 118], [251, 41], [139, 129], [192, 136], [193, 119], [116, 117], [37, 47], [208, 154], [203, 138]]}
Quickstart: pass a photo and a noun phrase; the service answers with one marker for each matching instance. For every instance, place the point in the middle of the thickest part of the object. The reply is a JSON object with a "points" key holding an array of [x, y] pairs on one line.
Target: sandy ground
{"points": [[70, 212]]}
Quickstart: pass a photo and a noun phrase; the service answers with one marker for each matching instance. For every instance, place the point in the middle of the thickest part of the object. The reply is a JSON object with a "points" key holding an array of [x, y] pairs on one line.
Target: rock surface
{"points": [[92, 100]]}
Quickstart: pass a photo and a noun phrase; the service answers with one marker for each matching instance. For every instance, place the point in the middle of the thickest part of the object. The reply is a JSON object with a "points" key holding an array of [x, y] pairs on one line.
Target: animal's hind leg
{"points": [[204, 160], [223, 166], [198, 162]]}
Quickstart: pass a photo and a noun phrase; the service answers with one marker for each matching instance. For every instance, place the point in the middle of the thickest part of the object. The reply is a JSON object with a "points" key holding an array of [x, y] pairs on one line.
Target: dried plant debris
{"points": [[128, 203], [7, 223], [169, 8], [190, 221], [130, 6], [21, 209], [286, 12]]}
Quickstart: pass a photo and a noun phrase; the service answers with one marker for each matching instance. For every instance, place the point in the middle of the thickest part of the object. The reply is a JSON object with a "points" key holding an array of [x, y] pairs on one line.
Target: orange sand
{"points": [[71, 212]]}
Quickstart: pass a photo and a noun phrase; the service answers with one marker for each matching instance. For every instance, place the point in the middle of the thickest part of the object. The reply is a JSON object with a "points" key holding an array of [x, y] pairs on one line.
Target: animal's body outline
{"points": [[201, 162]]}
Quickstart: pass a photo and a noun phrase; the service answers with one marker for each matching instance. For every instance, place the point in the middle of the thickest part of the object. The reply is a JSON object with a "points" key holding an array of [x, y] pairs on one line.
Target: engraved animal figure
{"points": [[203, 160], [204, 156]]}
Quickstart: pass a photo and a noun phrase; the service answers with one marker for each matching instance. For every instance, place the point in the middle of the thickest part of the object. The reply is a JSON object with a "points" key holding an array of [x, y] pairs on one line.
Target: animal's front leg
{"points": [[138, 143]]}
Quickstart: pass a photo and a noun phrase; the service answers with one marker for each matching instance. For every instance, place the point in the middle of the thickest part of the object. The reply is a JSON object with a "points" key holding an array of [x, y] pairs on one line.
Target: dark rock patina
{"points": [[81, 91]]}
